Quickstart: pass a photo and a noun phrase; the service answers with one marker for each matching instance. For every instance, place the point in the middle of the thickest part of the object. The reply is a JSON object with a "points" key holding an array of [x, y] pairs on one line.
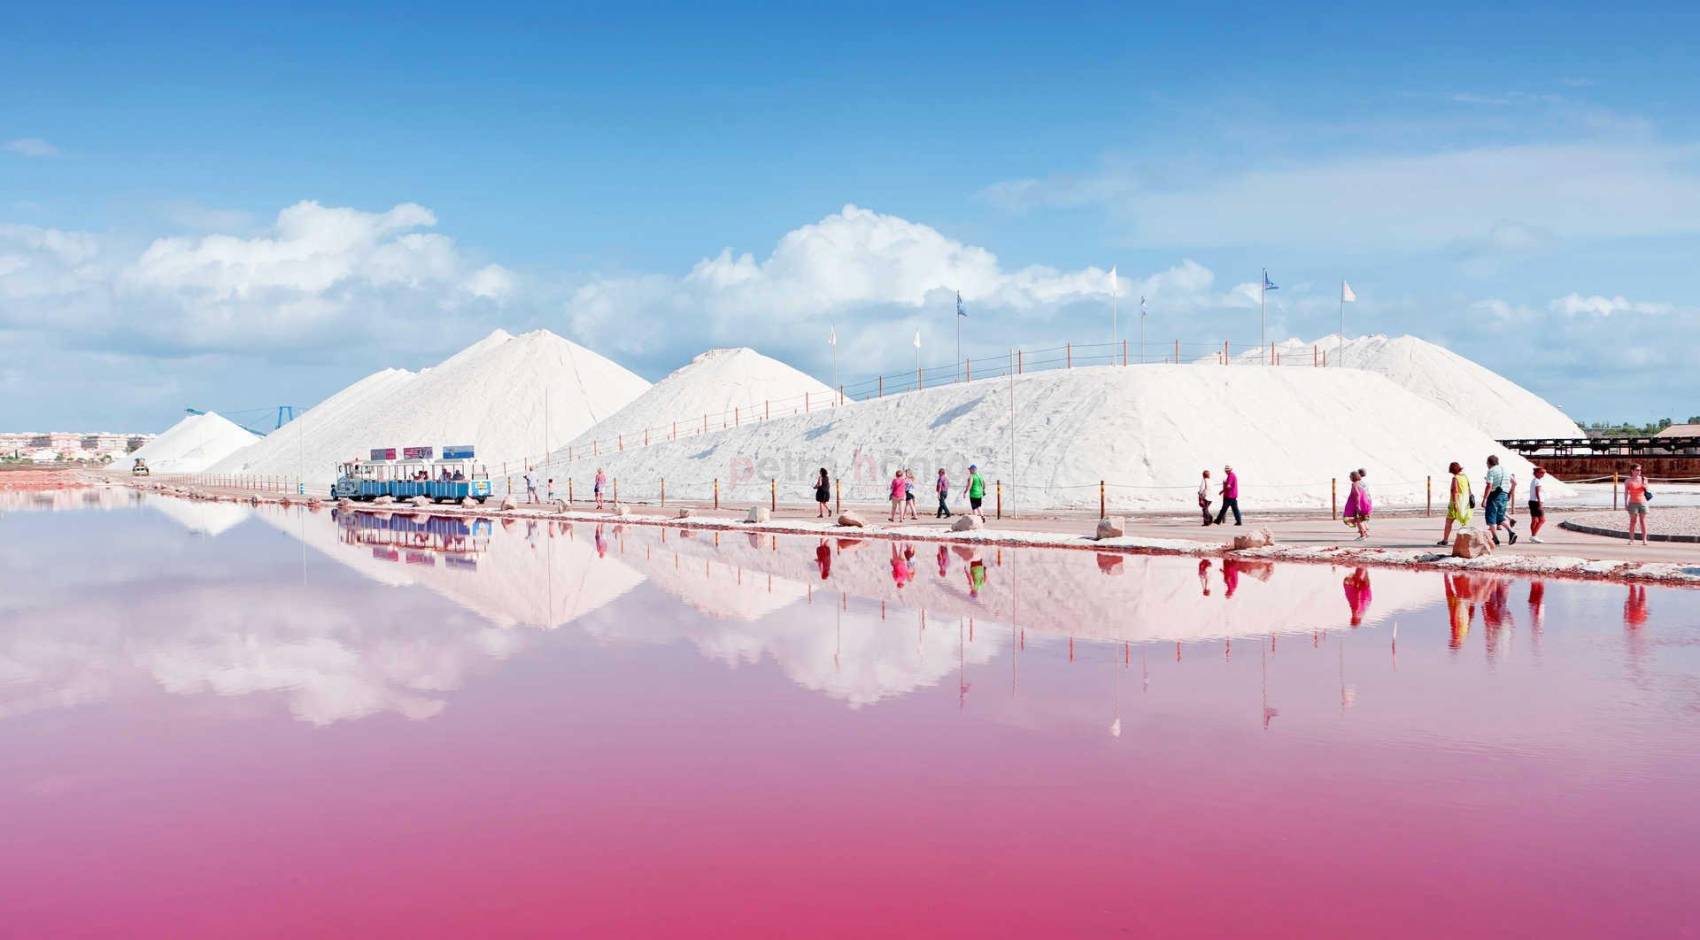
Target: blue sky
{"points": [[219, 208]]}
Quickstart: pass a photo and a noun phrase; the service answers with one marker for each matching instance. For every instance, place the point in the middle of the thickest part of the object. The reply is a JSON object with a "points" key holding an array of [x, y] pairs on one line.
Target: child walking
{"points": [[944, 494]]}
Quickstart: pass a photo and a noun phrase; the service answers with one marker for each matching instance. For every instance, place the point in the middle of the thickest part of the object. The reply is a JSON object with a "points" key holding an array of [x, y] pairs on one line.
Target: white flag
{"points": [[1113, 288], [1346, 295], [917, 339], [832, 337]]}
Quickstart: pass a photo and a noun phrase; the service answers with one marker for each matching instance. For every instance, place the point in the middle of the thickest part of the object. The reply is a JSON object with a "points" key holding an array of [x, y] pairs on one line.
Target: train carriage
{"points": [[414, 471]]}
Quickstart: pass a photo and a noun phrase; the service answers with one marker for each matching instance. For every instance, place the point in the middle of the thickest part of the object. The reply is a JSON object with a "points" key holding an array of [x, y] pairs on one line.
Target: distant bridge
{"points": [[1571, 458]]}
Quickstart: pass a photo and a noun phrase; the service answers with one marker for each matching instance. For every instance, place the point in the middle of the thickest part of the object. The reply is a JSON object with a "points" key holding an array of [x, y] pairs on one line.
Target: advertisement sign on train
{"points": [[457, 452], [383, 453], [416, 453]]}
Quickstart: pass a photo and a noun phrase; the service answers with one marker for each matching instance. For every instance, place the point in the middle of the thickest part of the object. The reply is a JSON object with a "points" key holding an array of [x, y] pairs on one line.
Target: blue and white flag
{"points": [[959, 311], [1267, 283]]}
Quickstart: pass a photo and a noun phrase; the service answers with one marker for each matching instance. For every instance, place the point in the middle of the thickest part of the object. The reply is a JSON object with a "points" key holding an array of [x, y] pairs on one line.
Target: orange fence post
{"points": [[773, 494], [663, 492], [1177, 352], [968, 370], [917, 378], [716, 492], [1101, 513], [879, 391], [1124, 352], [1018, 355], [1614, 489], [1068, 355], [1428, 507], [766, 409], [616, 491], [569, 490], [837, 496], [620, 441], [1000, 498], [1333, 497], [646, 437], [737, 418]]}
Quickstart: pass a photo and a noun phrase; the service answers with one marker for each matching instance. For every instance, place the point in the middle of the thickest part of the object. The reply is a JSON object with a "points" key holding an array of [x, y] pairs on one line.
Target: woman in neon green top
{"points": [[1459, 508]]}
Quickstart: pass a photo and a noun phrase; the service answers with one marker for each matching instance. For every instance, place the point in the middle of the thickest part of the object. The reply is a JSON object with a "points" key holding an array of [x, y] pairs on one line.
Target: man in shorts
{"points": [[1537, 514], [975, 491], [1497, 483]]}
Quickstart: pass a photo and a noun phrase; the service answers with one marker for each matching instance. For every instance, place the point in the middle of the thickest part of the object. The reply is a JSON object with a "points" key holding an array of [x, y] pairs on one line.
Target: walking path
{"points": [[1398, 539]]}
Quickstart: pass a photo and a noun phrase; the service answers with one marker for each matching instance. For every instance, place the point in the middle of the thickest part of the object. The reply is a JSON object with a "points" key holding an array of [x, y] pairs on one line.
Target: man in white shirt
{"points": [[1498, 485], [1537, 506]]}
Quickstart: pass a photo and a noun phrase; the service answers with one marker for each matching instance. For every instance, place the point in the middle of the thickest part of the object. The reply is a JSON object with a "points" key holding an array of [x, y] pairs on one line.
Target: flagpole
{"points": [[1142, 330], [1262, 335]]}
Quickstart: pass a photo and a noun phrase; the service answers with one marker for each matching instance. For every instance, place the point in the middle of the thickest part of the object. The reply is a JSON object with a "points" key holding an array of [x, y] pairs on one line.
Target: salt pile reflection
{"points": [[311, 719]]}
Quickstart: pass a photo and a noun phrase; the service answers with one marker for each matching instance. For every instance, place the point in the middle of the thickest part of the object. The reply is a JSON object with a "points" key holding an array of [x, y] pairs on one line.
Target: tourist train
{"points": [[414, 471]]}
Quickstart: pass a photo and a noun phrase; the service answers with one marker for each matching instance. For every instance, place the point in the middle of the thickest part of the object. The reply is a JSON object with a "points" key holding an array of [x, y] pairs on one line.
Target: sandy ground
{"points": [[1398, 539]]}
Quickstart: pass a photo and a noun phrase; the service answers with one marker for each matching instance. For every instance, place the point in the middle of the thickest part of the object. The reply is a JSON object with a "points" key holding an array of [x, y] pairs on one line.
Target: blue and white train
{"points": [[414, 471]]}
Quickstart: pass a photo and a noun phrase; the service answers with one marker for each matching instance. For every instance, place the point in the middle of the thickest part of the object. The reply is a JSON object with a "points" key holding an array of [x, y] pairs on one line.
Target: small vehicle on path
{"points": [[453, 477]]}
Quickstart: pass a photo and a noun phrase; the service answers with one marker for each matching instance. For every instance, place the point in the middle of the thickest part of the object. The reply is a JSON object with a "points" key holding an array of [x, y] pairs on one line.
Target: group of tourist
{"points": [[1498, 501], [903, 494]]}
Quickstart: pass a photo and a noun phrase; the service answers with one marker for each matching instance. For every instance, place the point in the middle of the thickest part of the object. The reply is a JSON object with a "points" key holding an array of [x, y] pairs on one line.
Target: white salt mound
{"points": [[194, 444], [1486, 399], [724, 386], [1148, 431], [491, 395]]}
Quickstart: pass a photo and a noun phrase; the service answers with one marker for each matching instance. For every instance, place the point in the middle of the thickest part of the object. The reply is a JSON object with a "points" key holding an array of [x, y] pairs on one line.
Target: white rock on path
{"points": [[968, 523], [1258, 538]]}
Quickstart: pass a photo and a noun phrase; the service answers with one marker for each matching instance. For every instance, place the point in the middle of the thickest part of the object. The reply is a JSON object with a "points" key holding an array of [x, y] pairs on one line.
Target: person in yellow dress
{"points": [[1461, 506]]}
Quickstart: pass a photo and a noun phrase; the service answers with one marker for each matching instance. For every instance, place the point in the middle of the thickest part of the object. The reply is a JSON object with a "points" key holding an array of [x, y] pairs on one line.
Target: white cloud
{"points": [[1599, 306], [30, 147], [873, 275], [317, 275], [1490, 196]]}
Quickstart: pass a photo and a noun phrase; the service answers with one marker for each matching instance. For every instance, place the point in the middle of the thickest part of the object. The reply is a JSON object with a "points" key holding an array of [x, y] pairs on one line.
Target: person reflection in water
{"points": [[901, 570], [976, 576], [823, 559], [601, 544], [1635, 607], [1230, 576], [1204, 575], [1358, 594], [1463, 593], [1537, 604], [1458, 613], [944, 562]]}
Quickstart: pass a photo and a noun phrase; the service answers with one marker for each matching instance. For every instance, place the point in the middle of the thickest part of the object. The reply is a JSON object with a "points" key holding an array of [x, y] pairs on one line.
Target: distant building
{"points": [[1680, 430], [25, 445]]}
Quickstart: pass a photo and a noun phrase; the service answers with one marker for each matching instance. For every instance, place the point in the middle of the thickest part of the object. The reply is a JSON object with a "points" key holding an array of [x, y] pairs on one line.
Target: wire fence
{"points": [[970, 369]]}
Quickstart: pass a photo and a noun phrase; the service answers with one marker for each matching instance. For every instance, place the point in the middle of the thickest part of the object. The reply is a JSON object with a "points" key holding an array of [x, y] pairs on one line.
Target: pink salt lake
{"points": [[219, 722]]}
